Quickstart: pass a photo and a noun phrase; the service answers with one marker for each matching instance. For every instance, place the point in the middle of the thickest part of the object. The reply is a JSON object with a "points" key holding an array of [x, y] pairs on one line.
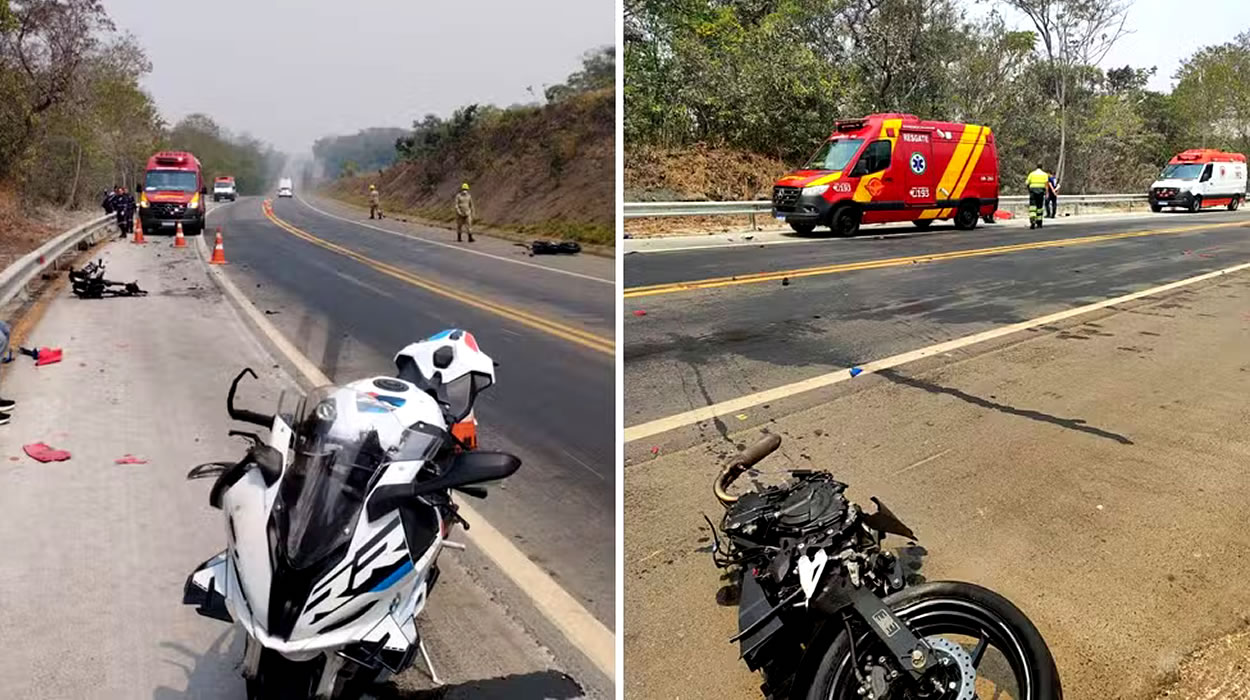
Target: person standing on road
{"points": [[1052, 196], [6, 406], [464, 212], [124, 206], [375, 202], [1037, 182], [109, 197]]}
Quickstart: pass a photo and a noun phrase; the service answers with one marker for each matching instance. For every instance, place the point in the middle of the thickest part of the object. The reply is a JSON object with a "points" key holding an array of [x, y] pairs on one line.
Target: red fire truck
{"points": [[173, 193]]}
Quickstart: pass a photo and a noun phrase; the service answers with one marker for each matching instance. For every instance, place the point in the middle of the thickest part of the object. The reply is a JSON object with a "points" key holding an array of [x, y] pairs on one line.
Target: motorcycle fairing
{"points": [[204, 591]]}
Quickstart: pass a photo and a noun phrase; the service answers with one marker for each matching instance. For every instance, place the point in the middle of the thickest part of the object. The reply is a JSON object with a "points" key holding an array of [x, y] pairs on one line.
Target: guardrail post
{"points": [[753, 226]]}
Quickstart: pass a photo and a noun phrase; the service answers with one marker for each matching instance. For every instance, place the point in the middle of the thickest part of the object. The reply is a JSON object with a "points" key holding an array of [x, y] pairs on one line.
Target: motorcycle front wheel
{"points": [[964, 623], [279, 678]]}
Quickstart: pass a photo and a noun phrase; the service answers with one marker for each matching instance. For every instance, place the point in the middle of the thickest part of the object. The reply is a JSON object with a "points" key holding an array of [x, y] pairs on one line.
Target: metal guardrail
{"points": [[635, 210], [15, 277]]}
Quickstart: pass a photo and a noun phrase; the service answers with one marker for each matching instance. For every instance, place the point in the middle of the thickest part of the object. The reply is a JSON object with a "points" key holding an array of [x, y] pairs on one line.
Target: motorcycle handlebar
{"points": [[242, 414], [742, 462]]}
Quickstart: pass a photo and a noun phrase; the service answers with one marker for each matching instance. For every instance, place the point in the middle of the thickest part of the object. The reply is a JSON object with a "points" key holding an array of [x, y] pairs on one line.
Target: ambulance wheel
{"points": [[966, 217], [1232, 206], [845, 221], [1195, 204], [922, 224], [802, 229]]}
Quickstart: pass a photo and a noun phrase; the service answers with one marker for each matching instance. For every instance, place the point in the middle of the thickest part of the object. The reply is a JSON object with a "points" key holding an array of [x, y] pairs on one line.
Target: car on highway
{"points": [[223, 188], [284, 188], [1200, 178], [892, 167], [173, 193]]}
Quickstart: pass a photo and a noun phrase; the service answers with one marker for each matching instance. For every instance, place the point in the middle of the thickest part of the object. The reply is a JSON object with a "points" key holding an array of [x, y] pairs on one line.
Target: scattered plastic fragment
{"points": [[655, 450], [785, 281], [741, 416], [42, 356], [639, 312], [856, 371], [130, 459], [43, 453]]}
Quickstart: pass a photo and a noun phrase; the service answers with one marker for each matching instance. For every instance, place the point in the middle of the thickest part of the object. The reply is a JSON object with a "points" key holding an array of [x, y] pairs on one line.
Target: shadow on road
{"points": [[1069, 423], [545, 685], [211, 675]]}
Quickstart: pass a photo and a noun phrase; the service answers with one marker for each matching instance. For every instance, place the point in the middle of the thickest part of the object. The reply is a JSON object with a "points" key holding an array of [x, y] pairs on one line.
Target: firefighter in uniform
{"points": [[1037, 182], [375, 202], [464, 212]]}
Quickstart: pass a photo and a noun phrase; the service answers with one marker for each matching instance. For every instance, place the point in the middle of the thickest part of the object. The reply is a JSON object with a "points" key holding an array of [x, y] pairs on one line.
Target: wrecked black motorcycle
{"points": [[826, 613], [88, 282]]}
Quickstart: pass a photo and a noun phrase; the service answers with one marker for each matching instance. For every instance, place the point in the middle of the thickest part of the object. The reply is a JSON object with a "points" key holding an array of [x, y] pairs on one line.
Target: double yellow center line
{"points": [[554, 328], [714, 282]]}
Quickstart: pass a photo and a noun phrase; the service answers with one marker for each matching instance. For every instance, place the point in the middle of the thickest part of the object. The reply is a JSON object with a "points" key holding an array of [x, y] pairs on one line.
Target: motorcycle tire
{"points": [[947, 607]]}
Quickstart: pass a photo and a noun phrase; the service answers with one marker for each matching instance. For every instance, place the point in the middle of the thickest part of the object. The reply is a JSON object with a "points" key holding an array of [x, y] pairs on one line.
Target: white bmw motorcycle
{"points": [[335, 523]]}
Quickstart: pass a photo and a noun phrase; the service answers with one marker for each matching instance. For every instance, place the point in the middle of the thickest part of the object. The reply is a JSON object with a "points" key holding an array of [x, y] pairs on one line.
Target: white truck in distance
{"points": [[285, 188]]}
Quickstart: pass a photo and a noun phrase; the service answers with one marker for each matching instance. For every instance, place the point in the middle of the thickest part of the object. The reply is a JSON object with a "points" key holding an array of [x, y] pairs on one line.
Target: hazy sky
{"points": [[290, 71], [1159, 36]]}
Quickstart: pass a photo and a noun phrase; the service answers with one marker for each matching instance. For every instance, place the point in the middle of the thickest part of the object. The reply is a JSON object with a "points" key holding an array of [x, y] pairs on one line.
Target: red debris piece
{"points": [[43, 453], [48, 356], [639, 312], [655, 450], [130, 459]]}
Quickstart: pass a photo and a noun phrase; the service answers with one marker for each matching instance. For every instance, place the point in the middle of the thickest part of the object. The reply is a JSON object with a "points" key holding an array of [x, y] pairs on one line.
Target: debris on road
{"points": [[639, 312], [42, 356], [43, 453], [552, 247], [130, 459], [785, 281], [89, 283], [856, 371]]}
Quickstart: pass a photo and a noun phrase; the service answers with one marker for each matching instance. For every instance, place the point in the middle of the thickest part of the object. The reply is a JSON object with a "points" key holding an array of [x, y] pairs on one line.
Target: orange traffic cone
{"points": [[219, 252], [138, 237], [179, 241]]}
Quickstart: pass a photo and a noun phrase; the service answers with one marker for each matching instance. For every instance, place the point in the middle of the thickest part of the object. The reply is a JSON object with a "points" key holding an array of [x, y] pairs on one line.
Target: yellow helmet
{"points": [[464, 186], [372, 187]]}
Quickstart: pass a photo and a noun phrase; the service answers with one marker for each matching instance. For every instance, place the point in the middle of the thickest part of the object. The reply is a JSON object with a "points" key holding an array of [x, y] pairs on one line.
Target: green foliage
{"points": [[254, 165], [771, 76], [368, 149]]}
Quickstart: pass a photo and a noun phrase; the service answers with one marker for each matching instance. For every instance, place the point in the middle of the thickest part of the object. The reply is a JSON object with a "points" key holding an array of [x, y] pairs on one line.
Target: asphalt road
{"points": [[1094, 473], [96, 553], [694, 347], [554, 402]]}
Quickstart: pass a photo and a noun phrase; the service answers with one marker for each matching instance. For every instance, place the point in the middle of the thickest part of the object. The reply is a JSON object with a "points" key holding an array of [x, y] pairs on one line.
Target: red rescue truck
{"points": [[173, 193], [893, 167]]}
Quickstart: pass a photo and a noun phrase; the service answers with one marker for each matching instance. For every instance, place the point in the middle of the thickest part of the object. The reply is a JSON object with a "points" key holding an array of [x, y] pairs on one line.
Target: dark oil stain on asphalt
{"points": [[1077, 424]]}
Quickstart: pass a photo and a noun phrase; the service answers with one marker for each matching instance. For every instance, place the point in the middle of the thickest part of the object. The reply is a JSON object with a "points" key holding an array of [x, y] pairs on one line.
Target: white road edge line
{"points": [[418, 239], [697, 415], [579, 627]]}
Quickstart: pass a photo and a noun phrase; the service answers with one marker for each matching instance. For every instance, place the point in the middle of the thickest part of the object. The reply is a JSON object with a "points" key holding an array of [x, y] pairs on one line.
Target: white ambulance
{"points": [[1201, 178]]}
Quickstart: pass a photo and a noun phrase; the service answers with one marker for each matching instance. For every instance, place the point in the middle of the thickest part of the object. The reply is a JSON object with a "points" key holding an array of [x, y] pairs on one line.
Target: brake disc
{"points": [[961, 660]]}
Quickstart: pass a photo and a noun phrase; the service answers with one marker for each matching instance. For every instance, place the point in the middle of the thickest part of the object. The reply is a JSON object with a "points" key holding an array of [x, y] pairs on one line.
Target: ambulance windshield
{"points": [[834, 154], [1182, 171]]}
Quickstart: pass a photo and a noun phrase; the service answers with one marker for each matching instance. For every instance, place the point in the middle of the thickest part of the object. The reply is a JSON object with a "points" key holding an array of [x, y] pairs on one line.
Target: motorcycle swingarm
{"points": [[839, 595]]}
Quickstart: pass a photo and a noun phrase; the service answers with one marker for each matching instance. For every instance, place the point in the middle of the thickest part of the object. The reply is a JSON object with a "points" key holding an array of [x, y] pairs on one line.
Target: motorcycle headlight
{"points": [[815, 190]]}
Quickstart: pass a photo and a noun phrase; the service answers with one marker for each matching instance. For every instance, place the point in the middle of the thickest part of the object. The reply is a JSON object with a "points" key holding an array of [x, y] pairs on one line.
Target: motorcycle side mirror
{"points": [[466, 468]]}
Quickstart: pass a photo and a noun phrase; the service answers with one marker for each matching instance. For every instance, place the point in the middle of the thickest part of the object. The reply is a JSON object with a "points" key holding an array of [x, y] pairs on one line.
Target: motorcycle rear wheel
{"points": [[949, 608]]}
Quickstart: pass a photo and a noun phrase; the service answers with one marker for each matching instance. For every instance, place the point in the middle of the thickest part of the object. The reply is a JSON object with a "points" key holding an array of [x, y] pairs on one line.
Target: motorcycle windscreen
{"points": [[341, 441]]}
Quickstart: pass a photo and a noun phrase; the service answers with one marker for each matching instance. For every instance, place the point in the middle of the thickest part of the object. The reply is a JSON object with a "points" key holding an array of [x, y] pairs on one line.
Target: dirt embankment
{"points": [[542, 171], [696, 173], [25, 228]]}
